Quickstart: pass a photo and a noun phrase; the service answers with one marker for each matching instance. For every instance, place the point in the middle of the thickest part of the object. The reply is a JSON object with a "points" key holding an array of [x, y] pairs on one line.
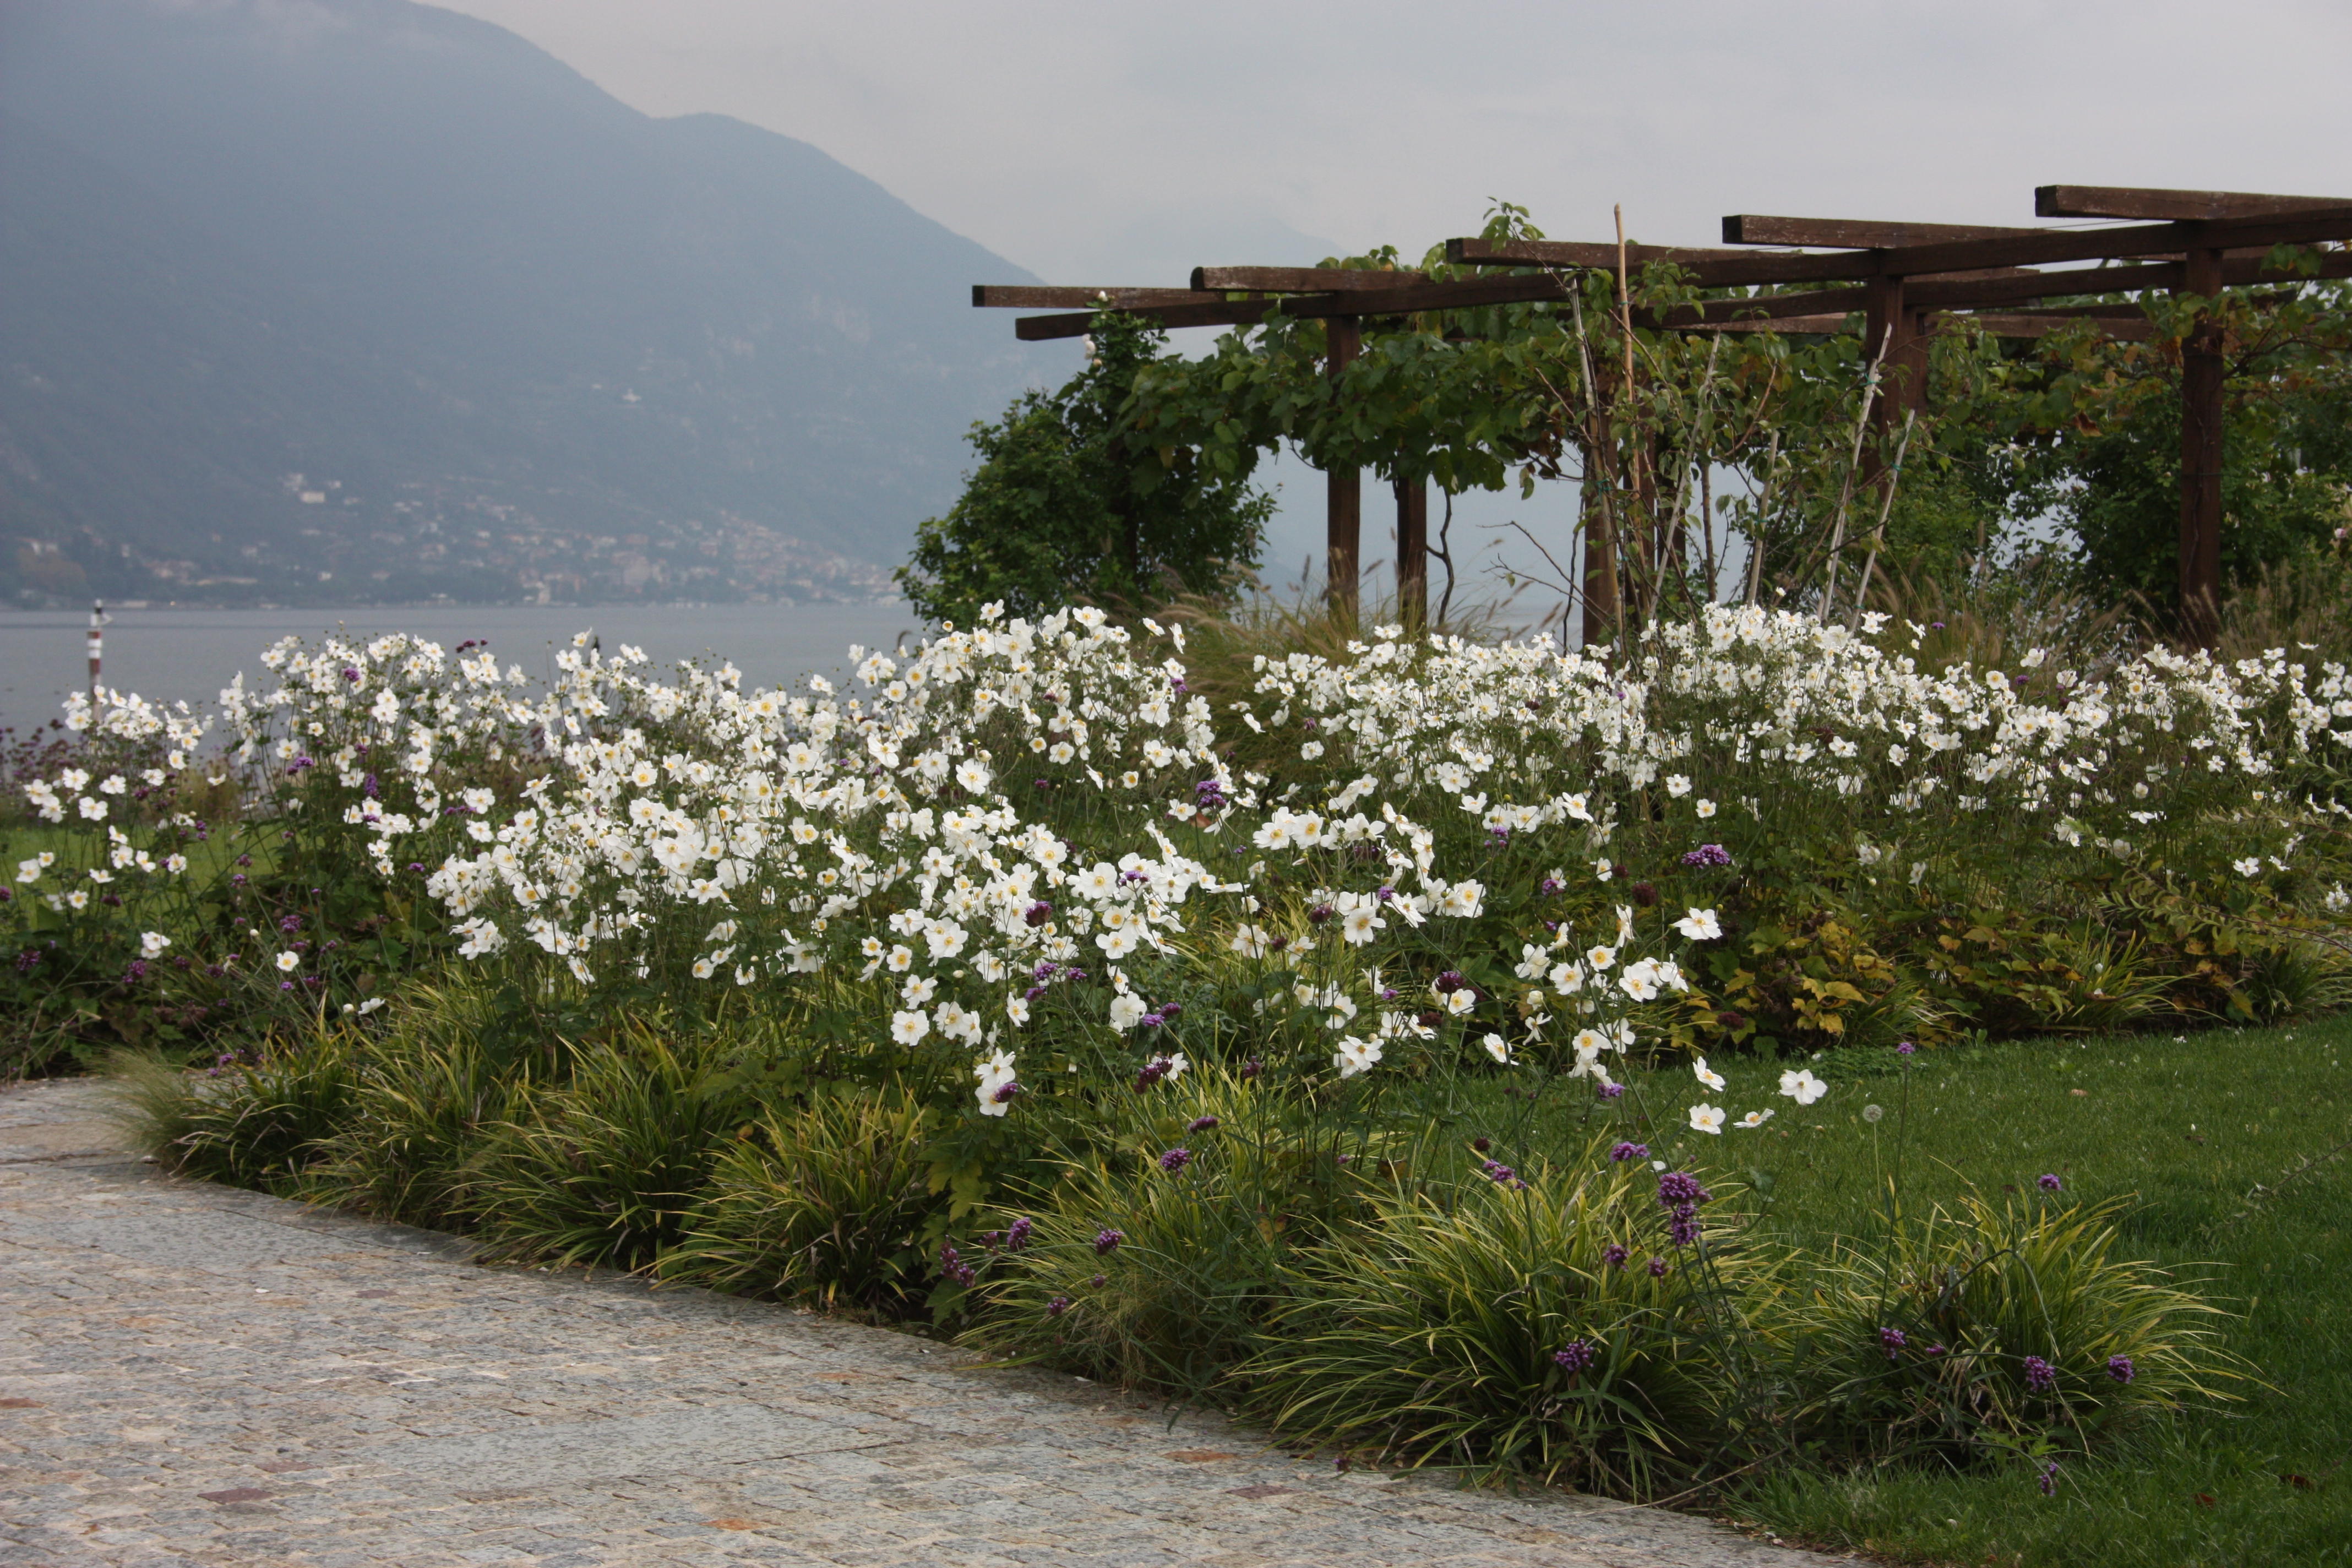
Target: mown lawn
{"points": [[2231, 1144]]}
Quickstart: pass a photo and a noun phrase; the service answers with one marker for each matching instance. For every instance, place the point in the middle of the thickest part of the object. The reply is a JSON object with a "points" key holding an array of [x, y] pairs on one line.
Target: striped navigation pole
{"points": [[98, 619]]}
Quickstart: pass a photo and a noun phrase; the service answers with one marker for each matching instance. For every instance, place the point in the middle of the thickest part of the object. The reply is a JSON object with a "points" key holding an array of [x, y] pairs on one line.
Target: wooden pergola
{"points": [[1906, 279]]}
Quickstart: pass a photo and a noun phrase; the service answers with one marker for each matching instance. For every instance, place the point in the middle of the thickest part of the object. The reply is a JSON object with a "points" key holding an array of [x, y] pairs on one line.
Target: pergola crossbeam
{"points": [[2129, 201]]}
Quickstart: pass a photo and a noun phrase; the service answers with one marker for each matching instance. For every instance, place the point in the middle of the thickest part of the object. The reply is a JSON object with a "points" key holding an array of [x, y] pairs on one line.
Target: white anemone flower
{"points": [[908, 1028], [1250, 941], [288, 963], [1360, 923], [153, 943], [1707, 1119], [1600, 958], [1700, 925], [993, 1075], [1497, 1048], [1705, 809], [1802, 1087], [1755, 1119], [1707, 1074], [1355, 1056]]}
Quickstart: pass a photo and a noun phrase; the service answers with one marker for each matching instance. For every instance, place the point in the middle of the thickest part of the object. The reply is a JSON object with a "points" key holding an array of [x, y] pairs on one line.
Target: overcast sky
{"points": [[1110, 143]]}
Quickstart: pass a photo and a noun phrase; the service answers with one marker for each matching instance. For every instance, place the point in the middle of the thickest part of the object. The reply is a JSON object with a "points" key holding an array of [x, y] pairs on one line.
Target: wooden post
{"points": [[1344, 515], [1413, 554], [2200, 462]]}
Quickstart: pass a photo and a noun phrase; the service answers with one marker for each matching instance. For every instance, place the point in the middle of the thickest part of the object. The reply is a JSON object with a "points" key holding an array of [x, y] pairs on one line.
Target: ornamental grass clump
{"points": [[1550, 1329], [269, 1123], [602, 1169], [1143, 1269], [430, 1094], [1983, 1327], [829, 1202]]}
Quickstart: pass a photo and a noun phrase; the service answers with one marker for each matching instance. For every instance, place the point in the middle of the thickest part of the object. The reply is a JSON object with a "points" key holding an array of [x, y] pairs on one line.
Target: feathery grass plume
{"points": [[1956, 1333], [1520, 1332], [829, 1201]]}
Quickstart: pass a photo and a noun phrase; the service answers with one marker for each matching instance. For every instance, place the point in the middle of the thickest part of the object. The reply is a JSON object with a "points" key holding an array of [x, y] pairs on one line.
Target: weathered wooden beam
{"points": [[2134, 202], [1828, 324], [2042, 323], [1210, 313], [1757, 306], [2037, 248], [1182, 308], [1848, 234], [1031, 297], [2315, 227], [1709, 268], [1301, 280], [2018, 324], [1468, 294]]}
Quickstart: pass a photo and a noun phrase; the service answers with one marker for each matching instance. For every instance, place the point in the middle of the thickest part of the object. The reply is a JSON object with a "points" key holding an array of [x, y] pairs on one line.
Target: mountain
{"points": [[312, 301]]}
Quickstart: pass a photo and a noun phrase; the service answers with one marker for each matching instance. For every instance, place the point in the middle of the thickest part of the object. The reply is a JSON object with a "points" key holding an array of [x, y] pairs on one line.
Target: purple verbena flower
{"points": [[2040, 1375], [1892, 1341], [1679, 1187], [1201, 1125], [1574, 1356], [1614, 1256], [1613, 1090], [2049, 1481], [1658, 1267], [1057, 1306], [1624, 1151], [2119, 1367], [1707, 855], [1905, 1048], [2047, 1183], [1105, 1243], [1175, 1159], [1016, 1238]]}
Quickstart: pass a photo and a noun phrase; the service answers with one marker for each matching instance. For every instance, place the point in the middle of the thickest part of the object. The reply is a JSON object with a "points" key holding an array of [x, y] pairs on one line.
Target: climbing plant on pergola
{"points": [[1905, 283]]}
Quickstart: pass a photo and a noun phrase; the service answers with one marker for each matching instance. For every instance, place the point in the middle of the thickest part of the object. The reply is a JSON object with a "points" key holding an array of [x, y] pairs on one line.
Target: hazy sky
{"points": [[1110, 143], [1114, 143]]}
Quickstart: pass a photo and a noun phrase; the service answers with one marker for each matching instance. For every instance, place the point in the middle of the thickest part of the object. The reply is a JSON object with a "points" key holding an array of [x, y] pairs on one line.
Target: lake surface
{"points": [[169, 654]]}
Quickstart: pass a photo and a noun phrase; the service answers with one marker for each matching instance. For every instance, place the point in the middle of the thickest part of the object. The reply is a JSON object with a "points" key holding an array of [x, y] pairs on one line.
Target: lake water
{"points": [[168, 654]]}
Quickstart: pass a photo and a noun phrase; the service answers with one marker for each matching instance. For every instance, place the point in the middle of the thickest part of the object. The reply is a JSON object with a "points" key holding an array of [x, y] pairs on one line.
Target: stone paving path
{"points": [[194, 1375]]}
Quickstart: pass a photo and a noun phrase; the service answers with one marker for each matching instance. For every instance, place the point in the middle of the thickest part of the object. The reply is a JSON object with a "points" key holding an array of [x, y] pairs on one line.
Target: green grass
{"points": [[2222, 1139]]}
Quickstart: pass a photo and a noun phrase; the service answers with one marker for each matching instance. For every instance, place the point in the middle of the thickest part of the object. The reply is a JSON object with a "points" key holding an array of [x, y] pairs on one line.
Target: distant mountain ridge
{"points": [[324, 300]]}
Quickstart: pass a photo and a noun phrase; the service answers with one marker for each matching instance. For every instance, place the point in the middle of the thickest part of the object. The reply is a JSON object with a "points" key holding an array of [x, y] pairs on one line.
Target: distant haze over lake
{"points": [[170, 654]]}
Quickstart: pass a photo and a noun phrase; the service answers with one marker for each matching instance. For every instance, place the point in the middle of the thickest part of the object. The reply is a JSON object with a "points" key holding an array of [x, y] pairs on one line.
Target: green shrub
{"points": [[1432, 1336], [828, 1200], [602, 1170], [1986, 1327]]}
